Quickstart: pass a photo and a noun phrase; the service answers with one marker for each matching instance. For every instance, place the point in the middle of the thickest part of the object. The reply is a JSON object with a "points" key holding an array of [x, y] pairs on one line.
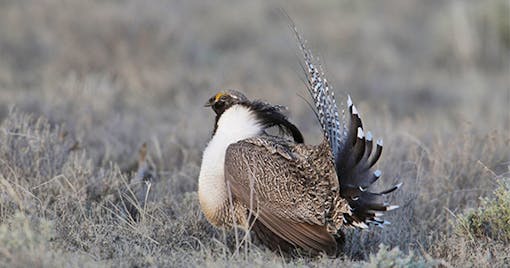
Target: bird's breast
{"points": [[235, 124]]}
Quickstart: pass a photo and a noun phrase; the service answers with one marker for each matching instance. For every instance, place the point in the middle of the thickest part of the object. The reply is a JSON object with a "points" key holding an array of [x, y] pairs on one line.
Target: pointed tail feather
{"points": [[352, 149], [355, 175]]}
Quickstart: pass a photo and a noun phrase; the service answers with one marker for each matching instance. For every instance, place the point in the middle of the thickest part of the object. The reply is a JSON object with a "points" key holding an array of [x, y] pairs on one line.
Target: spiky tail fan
{"points": [[352, 150]]}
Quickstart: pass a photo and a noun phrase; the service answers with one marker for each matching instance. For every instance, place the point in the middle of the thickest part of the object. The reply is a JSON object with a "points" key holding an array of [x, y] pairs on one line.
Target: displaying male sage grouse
{"points": [[290, 194]]}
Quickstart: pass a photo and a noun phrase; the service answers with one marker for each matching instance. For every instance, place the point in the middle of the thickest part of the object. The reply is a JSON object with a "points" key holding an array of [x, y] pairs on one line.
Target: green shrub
{"points": [[492, 219]]}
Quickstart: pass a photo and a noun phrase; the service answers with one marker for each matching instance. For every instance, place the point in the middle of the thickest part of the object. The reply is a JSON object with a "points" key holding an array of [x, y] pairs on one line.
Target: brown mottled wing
{"points": [[289, 188]]}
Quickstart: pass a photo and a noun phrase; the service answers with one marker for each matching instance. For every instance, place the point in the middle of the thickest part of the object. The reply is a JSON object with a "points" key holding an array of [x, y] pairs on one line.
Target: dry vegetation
{"points": [[83, 84]]}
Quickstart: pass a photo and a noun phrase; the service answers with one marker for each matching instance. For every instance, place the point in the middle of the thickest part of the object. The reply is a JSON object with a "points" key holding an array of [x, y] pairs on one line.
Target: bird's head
{"points": [[225, 99]]}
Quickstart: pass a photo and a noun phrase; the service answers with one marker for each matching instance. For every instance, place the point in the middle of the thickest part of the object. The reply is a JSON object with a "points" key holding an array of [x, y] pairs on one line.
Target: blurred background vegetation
{"points": [[430, 77]]}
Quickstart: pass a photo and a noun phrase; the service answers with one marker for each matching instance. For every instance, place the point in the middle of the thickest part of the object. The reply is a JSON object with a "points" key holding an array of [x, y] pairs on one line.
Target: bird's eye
{"points": [[219, 104], [219, 107]]}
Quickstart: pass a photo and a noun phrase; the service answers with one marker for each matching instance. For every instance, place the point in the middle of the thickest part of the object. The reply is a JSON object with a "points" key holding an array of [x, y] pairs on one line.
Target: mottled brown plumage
{"points": [[292, 193]]}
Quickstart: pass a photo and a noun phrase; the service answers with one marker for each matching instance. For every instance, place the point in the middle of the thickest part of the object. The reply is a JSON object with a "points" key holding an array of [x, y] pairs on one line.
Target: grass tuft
{"points": [[386, 257]]}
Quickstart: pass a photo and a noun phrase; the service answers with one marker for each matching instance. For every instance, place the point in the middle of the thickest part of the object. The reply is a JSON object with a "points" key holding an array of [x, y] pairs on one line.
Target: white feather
{"points": [[361, 225], [388, 208], [360, 133], [354, 110], [369, 136], [235, 124], [380, 142]]}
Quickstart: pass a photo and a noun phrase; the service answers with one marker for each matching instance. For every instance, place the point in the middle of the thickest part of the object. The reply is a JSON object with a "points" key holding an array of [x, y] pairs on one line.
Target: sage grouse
{"points": [[290, 194]]}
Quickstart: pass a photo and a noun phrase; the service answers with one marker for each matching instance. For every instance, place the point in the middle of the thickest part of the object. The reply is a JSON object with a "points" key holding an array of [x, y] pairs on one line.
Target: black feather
{"points": [[272, 116]]}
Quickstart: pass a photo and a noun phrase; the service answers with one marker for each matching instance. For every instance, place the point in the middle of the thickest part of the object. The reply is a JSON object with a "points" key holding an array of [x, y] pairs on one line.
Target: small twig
{"points": [[149, 184]]}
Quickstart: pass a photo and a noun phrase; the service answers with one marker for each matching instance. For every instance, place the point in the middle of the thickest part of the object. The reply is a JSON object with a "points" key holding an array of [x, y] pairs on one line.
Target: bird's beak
{"points": [[208, 104]]}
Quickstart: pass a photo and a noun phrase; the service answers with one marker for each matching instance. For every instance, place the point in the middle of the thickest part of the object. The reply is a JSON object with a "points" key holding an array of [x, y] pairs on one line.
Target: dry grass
{"points": [[83, 84]]}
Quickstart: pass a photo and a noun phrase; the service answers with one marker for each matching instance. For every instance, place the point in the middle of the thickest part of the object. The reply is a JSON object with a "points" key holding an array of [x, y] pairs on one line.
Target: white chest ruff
{"points": [[235, 124]]}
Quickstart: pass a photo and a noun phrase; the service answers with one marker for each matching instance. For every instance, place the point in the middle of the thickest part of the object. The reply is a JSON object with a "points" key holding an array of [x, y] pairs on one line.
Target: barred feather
{"points": [[351, 148], [324, 100]]}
